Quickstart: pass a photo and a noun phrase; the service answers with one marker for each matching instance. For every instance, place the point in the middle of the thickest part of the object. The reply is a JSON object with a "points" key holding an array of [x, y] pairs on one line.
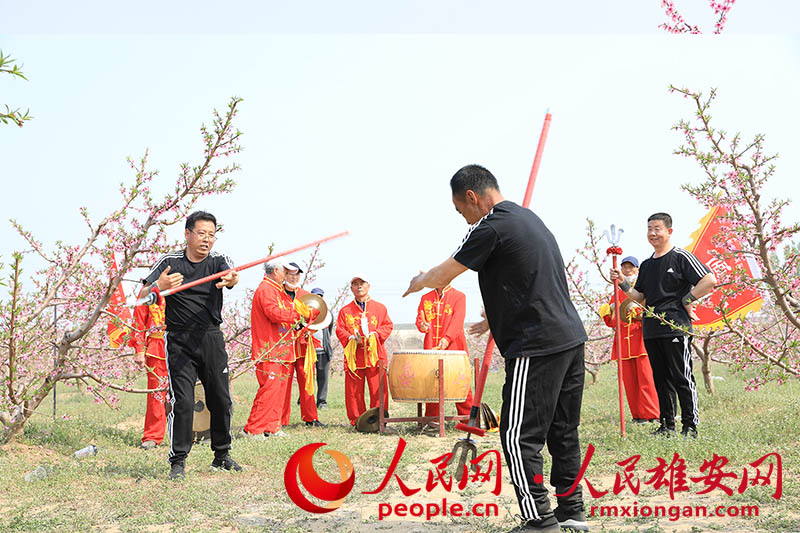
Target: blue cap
{"points": [[317, 290], [630, 259]]}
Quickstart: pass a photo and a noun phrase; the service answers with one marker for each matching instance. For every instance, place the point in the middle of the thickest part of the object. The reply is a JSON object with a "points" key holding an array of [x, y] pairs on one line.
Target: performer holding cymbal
{"points": [[363, 327]]}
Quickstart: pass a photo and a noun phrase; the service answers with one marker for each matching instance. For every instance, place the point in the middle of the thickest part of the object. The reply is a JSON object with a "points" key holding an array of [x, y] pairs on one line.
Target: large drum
{"points": [[414, 375]]}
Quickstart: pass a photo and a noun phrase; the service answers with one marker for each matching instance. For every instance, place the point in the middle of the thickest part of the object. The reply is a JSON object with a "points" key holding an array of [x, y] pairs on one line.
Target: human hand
{"points": [[479, 328], [690, 311], [139, 359], [169, 281], [416, 284], [229, 280]]}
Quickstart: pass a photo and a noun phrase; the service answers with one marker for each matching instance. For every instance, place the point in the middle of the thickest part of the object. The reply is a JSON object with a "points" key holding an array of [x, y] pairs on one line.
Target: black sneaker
{"points": [[571, 521], [315, 423], [177, 471], [546, 525], [664, 431], [225, 463], [689, 432]]}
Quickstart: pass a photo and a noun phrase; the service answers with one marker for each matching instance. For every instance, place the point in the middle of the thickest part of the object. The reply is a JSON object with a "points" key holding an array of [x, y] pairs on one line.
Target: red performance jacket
{"points": [[148, 321], [378, 321], [272, 319], [445, 317], [630, 328]]}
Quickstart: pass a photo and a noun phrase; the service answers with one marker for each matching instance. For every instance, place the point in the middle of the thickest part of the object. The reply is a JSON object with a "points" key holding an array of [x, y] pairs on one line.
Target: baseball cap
{"points": [[318, 291], [360, 276], [279, 261], [295, 266], [630, 259]]}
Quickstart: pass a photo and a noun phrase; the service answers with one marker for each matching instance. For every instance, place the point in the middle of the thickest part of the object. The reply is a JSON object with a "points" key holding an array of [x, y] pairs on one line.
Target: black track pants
{"points": [[542, 404], [671, 359], [192, 355]]}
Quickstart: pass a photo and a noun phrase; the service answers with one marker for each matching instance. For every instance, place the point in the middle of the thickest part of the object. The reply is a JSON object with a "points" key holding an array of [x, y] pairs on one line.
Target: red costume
{"points": [[364, 361], [305, 375], [272, 320], [148, 339], [445, 317], [637, 375]]}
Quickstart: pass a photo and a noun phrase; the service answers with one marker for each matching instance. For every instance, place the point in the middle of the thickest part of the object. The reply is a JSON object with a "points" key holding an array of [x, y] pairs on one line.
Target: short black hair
{"points": [[472, 178], [200, 215], [663, 217]]}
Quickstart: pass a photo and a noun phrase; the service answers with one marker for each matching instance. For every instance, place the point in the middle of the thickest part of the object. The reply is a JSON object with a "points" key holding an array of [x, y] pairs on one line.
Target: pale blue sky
{"points": [[362, 114]]}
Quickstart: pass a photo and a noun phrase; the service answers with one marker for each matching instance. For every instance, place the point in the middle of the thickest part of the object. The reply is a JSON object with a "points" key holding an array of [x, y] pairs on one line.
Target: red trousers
{"points": [[155, 418], [308, 405], [463, 408], [265, 415], [637, 376], [354, 390]]}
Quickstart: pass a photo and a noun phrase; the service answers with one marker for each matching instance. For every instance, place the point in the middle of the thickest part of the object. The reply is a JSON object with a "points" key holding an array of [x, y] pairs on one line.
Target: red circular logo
{"points": [[301, 466]]}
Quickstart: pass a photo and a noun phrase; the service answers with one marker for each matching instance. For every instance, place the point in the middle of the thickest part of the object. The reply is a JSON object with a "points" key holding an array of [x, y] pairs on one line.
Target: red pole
{"points": [[245, 266], [526, 202], [618, 341]]}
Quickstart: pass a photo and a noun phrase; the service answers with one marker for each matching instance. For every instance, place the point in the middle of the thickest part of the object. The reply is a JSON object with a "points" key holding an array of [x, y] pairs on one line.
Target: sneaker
{"points": [[639, 420], [663, 431], [177, 471], [225, 463], [279, 433], [547, 525], [573, 520], [252, 436], [322, 405], [149, 445], [689, 432], [315, 423]]}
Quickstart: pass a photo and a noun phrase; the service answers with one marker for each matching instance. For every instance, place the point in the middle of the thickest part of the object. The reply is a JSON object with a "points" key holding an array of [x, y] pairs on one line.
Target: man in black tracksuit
{"points": [[669, 282], [195, 347], [540, 335]]}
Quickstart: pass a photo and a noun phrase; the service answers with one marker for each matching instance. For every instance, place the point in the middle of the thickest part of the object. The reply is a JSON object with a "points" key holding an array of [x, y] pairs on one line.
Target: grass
{"points": [[124, 488]]}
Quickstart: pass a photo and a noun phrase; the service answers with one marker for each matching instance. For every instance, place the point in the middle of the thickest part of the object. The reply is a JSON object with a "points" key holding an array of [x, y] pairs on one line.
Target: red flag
{"points": [[117, 330], [703, 247]]}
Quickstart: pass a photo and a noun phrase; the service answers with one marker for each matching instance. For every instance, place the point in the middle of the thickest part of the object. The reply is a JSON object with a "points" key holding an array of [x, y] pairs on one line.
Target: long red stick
{"points": [[487, 354], [526, 202], [245, 266], [618, 340]]}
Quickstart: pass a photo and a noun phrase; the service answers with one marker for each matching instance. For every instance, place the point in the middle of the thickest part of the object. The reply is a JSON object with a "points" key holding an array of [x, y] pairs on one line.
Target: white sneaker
{"points": [[279, 433], [251, 436]]}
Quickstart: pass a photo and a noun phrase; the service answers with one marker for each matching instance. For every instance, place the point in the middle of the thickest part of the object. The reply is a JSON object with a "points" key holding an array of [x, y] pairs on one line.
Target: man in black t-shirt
{"points": [[540, 335], [670, 280], [195, 347]]}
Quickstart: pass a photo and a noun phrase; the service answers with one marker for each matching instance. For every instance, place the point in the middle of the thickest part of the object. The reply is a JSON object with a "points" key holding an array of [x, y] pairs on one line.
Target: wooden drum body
{"points": [[414, 375]]}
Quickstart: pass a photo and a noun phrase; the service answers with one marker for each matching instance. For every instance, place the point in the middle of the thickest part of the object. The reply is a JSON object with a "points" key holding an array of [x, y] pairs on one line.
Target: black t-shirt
{"points": [[664, 281], [523, 284], [198, 307]]}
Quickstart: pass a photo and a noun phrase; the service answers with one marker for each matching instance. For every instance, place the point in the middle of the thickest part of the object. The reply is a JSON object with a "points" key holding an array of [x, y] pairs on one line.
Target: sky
{"points": [[356, 115]]}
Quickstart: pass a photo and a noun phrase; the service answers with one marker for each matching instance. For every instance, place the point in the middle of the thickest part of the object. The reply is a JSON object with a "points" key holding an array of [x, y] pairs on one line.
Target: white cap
{"points": [[359, 275], [279, 261]]}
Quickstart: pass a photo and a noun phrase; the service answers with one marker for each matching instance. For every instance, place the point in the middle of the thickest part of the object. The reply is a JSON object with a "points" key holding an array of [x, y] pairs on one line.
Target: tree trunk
{"points": [[705, 358], [14, 422]]}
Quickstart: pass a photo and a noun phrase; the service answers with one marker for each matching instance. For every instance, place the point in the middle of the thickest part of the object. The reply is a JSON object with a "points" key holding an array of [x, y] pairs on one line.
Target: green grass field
{"points": [[124, 488]]}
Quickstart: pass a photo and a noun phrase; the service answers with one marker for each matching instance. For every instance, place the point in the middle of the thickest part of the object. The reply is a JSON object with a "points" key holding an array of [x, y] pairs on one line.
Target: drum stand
{"points": [[420, 419]]}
